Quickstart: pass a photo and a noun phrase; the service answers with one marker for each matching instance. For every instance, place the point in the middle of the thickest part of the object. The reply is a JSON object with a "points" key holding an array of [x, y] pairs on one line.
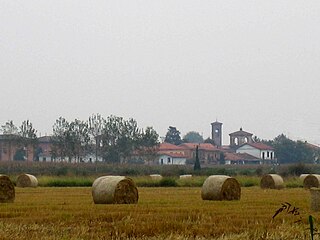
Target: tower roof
{"points": [[241, 133], [216, 123]]}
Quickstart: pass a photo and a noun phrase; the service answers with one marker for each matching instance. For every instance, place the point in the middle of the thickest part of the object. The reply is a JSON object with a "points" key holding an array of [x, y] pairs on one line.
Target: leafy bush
{"points": [[194, 181], [168, 182], [298, 169], [293, 182], [246, 181]]}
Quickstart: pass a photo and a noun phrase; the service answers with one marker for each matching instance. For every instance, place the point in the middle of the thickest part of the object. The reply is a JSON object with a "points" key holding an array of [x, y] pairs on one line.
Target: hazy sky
{"points": [[184, 63]]}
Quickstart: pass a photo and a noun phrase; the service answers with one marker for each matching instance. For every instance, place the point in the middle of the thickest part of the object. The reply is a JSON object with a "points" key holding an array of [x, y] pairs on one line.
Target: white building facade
{"points": [[171, 159], [258, 150]]}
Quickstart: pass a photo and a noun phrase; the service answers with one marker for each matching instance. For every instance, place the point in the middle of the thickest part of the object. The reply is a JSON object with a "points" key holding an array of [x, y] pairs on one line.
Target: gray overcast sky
{"points": [[185, 63]]}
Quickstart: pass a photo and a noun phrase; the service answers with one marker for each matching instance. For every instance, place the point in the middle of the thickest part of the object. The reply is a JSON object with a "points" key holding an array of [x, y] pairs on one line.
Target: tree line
{"points": [[112, 139], [115, 139]]}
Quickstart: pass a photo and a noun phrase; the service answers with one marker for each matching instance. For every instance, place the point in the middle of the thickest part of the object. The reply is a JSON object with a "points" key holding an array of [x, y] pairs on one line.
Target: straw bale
{"points": [[271, 181], [303, 176], [155, 176], [185, 176], [312, 180], [27, 180], [7, 191], [114, 190], [315, 199], [220, 187]]}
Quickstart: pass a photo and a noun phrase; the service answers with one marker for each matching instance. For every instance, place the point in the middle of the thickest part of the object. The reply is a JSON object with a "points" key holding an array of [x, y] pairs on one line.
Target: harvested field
{"points": [[161, 213]]}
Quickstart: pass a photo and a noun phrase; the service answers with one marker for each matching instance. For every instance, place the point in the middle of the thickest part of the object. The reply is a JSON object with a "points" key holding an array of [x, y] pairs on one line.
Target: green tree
{"points": [[9, 128], [284, 149], [289, 151], [11, 133], [27, 137], [78, 139], [209, 140], [120, 137], [60, 148], [197, 166], [148, 144], [193, 137], [222, 158], [96, 124], [173, 136]]}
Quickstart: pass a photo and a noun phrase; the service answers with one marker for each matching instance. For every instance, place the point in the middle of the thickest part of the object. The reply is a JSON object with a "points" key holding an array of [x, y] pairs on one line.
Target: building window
{"points": [[168, 160], [268, 154]]}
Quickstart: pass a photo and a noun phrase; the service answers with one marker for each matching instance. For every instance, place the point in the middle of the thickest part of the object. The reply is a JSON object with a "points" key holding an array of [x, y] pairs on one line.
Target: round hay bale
{"points": [[114, 190], [155, 176], [312, 180], [315, 199], [271, 181], [185, 176], [7, 191], [220, 187], [27, 180], [303, 176]]}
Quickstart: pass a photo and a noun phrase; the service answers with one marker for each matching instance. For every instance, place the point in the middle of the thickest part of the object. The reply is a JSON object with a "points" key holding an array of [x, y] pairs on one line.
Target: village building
{"points": [[240, 158], [172, 159], [259, 150], [207, 153], [44, 149], [240, 137], [12, 149], [170, 154]]}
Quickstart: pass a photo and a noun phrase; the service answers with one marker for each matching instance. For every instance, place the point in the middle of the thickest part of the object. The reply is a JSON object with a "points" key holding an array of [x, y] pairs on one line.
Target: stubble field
{"points": [[161, 213]]}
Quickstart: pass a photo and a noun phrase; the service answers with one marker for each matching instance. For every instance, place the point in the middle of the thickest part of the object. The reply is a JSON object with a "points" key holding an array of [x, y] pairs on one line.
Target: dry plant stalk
{"points": [[7, 191], [315, 199], [271, 181], [220, 187], [27, 180], [312, 180], [114, 190]]}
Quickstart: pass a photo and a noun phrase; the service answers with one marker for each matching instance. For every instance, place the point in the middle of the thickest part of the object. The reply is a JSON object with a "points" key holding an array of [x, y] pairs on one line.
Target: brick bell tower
{"points": [[216, 133]]}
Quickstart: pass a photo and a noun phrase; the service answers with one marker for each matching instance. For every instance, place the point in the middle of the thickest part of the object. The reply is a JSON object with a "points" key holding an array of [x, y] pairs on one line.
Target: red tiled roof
{"points": [[44, 139], [175, 155], [168, 146], [240, 133], [312, 146], [239, 157], [202, 146], [260, 146]]}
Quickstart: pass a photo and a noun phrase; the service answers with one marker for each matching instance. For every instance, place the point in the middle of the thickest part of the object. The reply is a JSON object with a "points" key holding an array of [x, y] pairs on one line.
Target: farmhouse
{"points": [[259, 150], [170, 154], [208, 153], [12, 149], [44, 149], [172, 159]]}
